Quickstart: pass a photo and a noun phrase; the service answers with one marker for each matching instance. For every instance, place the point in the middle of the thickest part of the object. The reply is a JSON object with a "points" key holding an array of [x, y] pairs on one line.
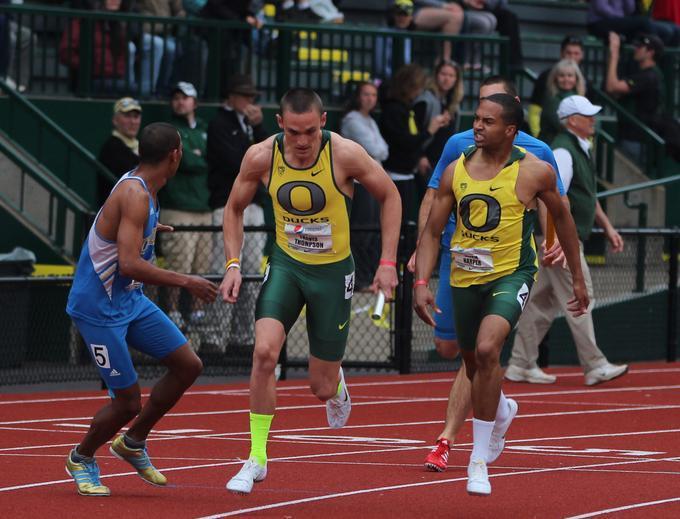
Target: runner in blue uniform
{"points": [[111, 312]]}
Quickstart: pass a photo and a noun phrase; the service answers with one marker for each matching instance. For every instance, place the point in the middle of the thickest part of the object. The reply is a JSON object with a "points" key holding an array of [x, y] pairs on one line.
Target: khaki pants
{"points": [[236, 323], [253, 242], [550, 294], [186, 252]]}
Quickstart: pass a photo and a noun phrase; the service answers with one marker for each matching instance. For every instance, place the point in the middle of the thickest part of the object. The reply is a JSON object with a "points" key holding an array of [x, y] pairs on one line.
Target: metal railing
{"points": [[641, 207], [48, 143], [61, 219], [72, 52], [38, 342]]}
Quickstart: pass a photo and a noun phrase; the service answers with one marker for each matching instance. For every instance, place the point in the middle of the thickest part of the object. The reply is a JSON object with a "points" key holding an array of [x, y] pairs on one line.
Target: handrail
{"points": [[203, 22], [655, 137], [50, 183], [321, 56], [65, 137], [641, 207], [637, 187]]}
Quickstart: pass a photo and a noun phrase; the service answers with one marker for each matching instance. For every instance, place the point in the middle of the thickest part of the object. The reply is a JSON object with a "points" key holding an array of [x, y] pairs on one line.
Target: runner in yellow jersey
{"points": [[494, 188], [309, 174]]}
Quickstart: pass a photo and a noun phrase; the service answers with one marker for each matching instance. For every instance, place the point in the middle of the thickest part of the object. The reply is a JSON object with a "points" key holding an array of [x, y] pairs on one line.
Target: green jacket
{"points": [[550, 123], [188, 190], [583, 188]]}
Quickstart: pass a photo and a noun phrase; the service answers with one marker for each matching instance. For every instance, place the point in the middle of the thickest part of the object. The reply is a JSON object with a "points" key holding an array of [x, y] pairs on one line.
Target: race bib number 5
{"points": [[101, 355]]}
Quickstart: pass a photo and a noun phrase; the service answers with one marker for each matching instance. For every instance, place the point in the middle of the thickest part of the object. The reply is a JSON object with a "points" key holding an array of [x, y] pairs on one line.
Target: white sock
{"points": [[287, 4], [503, 409], [303, 5], [481, 435]]}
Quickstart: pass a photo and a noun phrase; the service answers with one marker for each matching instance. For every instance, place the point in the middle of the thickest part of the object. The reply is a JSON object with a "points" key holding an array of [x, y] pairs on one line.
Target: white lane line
{"points": [[227, 392], [381, 402], [623, 508], [207, 465], [360, 452], [325, 497], [221, 436], [582, 404]]}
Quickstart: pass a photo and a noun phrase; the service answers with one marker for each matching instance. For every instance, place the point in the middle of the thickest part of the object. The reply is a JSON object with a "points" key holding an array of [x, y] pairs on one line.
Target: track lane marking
{"points": [[623, 508], [337, 495], [228, 392], [378, 402], [373, 451]]}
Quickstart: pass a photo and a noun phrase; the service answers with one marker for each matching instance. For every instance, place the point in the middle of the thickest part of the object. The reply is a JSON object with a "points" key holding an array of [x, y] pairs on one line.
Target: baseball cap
{"points": [[403, 6], [651, 41], [577, 105], [186, 88], [126, 104]]}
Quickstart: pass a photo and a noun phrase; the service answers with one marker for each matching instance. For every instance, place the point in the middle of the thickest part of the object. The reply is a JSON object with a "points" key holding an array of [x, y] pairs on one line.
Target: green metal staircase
{"points": [[40, 196]]}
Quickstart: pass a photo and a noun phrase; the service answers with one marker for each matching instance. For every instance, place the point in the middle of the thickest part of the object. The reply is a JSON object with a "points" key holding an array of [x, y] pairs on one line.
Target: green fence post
{"points": [[283, 61], [214, 73], [641, 244], [85, 46], [672, 318]]}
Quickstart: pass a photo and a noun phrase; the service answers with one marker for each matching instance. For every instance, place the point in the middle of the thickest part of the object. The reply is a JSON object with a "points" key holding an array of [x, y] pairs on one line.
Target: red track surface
{"points": [[611, 450]]}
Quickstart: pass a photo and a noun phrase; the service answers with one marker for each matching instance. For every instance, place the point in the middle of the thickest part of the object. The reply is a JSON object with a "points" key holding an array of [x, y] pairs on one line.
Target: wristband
{"points": [[233, 263], [420, 282], [388, 263]]}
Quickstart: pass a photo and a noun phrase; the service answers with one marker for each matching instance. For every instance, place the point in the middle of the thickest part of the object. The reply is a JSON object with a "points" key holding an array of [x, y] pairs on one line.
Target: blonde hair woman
{"points": [[565, 79]]}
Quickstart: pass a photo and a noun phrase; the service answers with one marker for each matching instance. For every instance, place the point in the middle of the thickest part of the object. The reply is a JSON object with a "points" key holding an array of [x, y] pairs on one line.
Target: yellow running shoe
{"points": [[139, 459], [86, 476]]}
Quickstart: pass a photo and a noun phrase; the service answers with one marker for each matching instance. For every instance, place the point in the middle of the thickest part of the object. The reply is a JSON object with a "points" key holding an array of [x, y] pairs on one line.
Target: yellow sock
{"points": [[259, 431]]}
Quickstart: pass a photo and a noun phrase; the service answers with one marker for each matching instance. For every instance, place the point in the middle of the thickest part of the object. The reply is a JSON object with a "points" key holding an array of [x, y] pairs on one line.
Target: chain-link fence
{"points": [[635, 314]]}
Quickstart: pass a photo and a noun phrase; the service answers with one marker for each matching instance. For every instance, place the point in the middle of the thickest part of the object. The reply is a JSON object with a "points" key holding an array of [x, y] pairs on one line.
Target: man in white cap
{"points": [[552, 290], [185, 201]]}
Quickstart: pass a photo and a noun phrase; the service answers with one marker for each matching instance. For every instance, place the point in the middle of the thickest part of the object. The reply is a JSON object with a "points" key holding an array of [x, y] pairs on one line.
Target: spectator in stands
{"points": [[619, 16], [184, 200], [191, 58], [666, 10], [507, 24], [19, 43], [232, 41], [231, 10], [120, 152], [641, 91], [237, 125], [400, 18], [553, 288], [565, 79], [571, 49], [4, 43], [309, 11], [477, 20], [113, 56], [358, 125], [438, 16], [442, 95], [404, 136], [159, 45], [665, 21]]}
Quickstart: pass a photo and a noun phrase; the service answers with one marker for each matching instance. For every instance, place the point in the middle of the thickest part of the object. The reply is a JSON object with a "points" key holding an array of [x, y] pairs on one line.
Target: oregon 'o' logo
{"points": [[317, 197], [493, 212]]}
